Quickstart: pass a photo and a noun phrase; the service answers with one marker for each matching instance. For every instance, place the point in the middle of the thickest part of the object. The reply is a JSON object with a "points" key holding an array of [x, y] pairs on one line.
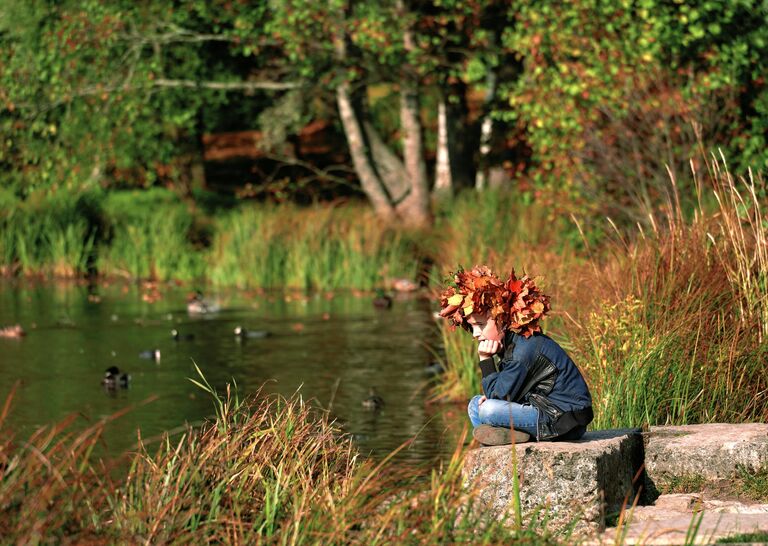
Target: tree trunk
{"points": [[415, 208], [463, 137], [369, 178], [486, 131], [390, 168], [396, 189], [443, 176]]}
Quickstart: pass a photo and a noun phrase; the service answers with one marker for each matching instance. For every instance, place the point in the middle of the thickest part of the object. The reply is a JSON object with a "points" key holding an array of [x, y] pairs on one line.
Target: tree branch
{"points": [[95, 90], [228, 86]]}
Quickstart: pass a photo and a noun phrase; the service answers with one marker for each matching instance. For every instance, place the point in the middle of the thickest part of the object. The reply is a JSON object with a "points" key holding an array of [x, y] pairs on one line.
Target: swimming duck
{"points": [[113, 378], [151, 354], [242, 333], [198, 305], [374, 401], [433, 369], [382, 300], [404, 285], [15, 331], [181, 337]]}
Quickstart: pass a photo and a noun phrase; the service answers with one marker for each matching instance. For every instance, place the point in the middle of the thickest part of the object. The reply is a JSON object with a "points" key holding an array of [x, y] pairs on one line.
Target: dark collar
{"points": [[509, 343]]}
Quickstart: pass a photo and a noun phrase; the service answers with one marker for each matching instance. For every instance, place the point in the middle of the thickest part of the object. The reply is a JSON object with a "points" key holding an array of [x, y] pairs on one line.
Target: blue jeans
{"points": [[501, 413]]}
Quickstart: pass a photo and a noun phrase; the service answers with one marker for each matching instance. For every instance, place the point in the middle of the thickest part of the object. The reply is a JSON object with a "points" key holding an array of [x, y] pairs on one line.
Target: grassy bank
{"points": [[155, 235], [319, 247], [678, 333], [668, 323], [269, 470]]}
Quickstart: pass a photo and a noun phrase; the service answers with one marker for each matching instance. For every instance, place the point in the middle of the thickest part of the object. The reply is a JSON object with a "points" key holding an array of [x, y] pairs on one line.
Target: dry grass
{"points": [[266, 470], [668, 323]]}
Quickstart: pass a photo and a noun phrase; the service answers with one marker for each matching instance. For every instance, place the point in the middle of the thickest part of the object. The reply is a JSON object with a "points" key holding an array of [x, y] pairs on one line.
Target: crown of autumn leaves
{"points": [[515, 304]]}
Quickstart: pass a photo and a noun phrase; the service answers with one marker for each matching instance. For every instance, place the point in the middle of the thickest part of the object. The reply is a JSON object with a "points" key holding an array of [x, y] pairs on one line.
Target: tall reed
{"points": [[319, 247], [149, 238], [668, 323], [264, 470], [49, 488], [677, 336], [740, 240], [499, 227], [461, 380], [45, 237]]}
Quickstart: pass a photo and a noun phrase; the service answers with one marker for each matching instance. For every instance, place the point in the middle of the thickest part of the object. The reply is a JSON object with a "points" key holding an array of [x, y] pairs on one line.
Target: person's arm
{"points": [[504, 383]]}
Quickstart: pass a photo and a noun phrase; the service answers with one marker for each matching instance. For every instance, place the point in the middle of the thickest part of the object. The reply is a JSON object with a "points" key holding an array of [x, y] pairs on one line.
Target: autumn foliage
{"points": [[515, 304]]}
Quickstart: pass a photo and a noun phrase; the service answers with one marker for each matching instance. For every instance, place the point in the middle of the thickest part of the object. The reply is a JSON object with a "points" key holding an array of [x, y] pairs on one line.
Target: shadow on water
{"points": [[333, 349]]}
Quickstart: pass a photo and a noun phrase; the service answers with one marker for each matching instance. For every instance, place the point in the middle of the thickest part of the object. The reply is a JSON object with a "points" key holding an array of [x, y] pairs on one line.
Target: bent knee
{"points": [[488, 408]]}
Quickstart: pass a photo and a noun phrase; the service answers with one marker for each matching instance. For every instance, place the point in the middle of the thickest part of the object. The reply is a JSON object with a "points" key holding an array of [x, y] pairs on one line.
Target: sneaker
{"points": [[488, 435]]}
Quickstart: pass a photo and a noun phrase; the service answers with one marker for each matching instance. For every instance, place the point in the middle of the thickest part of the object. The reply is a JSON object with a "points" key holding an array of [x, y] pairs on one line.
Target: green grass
{"points": [[152, 234], [753, 484], [461, 379], [45, 236], [689, 483], [745, 538], [149, 238], [318, 247]]}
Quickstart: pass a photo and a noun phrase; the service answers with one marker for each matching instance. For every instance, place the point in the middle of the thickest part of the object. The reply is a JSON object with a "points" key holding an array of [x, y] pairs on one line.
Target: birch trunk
{"points": [[365, 169], [390, 167], [415, 208], [369, 178], [486, 131], [443, 175]]}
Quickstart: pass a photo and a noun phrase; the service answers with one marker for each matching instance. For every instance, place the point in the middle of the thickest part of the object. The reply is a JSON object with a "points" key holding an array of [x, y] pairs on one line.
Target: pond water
{"points": [[331, 347]]}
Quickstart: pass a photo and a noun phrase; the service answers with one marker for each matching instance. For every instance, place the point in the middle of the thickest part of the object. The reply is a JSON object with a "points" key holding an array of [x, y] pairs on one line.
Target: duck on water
{"points": [[374, 401], [197, 304], [242, 333], [113, 379]]}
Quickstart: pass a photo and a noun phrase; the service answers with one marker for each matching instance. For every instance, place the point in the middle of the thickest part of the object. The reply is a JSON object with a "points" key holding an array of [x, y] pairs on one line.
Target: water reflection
{"points": [[334, 349]]}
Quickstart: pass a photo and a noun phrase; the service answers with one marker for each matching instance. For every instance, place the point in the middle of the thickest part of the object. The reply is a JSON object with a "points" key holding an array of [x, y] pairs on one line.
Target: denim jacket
{"points": [[537, 371]]}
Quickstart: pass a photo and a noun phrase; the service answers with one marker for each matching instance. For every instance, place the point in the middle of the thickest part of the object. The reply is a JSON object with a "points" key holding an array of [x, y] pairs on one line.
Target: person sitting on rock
{"points": [[532, 387]]}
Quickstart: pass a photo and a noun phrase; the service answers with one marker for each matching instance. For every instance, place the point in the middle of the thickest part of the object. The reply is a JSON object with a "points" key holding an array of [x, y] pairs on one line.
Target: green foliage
{"points": [[610, 90], [90, 92]]}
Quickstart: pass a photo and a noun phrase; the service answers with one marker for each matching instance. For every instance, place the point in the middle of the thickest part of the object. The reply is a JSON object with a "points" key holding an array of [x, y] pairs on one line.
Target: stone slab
{"points": [[578, 482], [670, 520], [687, 504], [711, 528], [710, 452]]}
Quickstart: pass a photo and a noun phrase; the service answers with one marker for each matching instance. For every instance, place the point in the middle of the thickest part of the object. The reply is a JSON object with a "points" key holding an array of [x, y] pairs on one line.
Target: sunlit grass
{"points": [[668, 323], [320, 247], [677, 332], [156, 249], [45, 242], [461, 379], [267, 469]]}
